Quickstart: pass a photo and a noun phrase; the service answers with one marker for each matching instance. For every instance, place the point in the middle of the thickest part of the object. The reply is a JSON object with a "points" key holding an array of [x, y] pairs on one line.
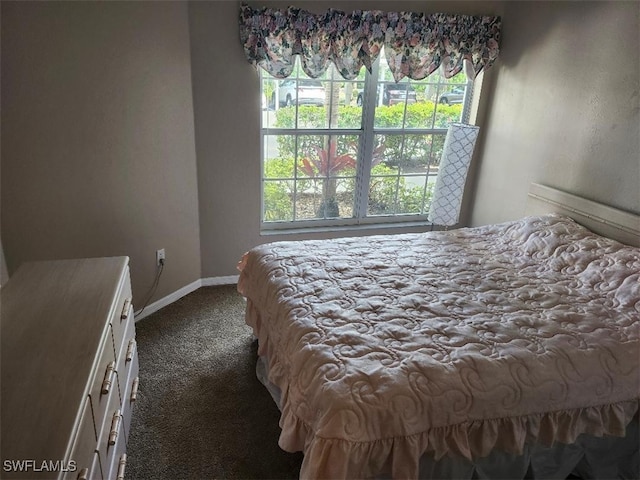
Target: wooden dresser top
{"points": [[54, 315]]}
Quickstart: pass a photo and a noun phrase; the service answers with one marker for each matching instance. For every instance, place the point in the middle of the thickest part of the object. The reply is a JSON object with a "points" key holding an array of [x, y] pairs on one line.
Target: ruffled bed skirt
{"points": [[596, 442], [589, 456]]}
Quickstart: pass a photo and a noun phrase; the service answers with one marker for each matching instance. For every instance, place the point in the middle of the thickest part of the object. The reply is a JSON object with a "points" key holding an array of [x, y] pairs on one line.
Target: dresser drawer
{"points": [[92, 472], [118, 459], [122, 315], [96, 472], [110, 433], [127, 350], [84, 446], [131, 393], [104, 384]]}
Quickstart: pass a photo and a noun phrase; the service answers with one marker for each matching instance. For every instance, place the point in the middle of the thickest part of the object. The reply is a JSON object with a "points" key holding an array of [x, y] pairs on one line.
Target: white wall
{"points": [[565, 107], [98, 150]]}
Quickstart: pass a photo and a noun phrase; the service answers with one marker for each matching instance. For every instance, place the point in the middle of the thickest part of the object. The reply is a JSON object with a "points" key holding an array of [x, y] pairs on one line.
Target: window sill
{"points": [[347, 229]]}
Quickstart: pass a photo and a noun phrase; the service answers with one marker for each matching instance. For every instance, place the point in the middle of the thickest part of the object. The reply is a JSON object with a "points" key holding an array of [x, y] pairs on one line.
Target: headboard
{"points": [[597, 217]]}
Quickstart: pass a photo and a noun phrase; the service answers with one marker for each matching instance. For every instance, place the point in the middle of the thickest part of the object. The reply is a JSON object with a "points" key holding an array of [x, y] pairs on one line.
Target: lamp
{"points": [[452, 174]]}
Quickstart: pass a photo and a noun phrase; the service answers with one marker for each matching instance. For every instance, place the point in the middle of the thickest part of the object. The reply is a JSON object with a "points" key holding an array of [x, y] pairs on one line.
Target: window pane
{"points": [[278, 168], [392, 98], [301, 116], [327, 167], [437, 146], [451, 95], [322, 156], [268, 101], [382, 191], [299, 89], [389, 116], [349, 111], [402, 177], [399, 194], [421, 113], [345, 196], [446, 114], [278, 200], [301, 92], [308, 202], [278, 194], [307, 103], [310, 148], [391, 102], [412, 196], [410, 153], [279, 147]]}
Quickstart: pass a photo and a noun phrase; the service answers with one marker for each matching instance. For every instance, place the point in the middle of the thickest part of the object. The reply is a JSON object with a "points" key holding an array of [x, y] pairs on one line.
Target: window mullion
{"points": [[313, 131], [295, 180], [367, 142], [417, 131], [426, 180]]}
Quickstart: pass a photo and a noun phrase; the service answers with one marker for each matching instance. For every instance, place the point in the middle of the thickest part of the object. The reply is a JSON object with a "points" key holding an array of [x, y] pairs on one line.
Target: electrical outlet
{"points": [[160, 257]]}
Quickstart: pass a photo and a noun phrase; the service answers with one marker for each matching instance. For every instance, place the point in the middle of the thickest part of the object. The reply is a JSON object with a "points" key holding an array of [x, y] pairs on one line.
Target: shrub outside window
{"points": [[344, 152]]}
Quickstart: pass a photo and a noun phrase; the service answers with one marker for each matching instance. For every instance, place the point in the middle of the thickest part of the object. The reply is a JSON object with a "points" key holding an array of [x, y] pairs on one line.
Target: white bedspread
{"points": [[386, 347]]}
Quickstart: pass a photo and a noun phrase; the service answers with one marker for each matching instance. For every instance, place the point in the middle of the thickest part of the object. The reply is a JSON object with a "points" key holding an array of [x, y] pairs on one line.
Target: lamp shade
{"points": [[452, 174]]}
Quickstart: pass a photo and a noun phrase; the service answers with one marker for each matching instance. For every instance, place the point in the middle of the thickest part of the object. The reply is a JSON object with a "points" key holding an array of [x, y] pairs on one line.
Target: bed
{"points": [[503, 351]]}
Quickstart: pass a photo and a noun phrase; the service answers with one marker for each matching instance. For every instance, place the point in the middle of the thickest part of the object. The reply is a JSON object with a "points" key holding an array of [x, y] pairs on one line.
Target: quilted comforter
{"points": [[453, 343]]}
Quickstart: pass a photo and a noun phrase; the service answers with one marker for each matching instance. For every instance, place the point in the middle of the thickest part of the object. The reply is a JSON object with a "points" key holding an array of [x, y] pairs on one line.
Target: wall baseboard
{"points": [[186, 290], [213, 281]]}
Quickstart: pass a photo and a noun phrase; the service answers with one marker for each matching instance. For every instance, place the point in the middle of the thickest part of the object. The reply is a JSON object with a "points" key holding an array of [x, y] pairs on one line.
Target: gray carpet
{"points": [[201, 412]]}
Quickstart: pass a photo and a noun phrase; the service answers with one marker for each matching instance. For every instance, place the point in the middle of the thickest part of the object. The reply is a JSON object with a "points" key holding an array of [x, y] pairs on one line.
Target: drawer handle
{"points": [[108, 378], [125, 309], [134, 389], [121, 466], [83, 474], [131, 348], [115, 427]]}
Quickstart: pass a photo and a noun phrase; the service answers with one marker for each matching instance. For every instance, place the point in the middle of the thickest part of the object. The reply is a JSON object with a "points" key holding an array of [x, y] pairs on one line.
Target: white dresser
{"points": [[69, 369]]}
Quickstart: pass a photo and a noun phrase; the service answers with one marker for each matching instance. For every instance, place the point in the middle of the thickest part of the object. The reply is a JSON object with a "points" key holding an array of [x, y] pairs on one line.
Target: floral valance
{"points": [[415, 44]]}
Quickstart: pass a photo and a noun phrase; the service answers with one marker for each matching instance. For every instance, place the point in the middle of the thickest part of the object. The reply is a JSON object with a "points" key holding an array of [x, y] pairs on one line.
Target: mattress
{"points": [[459, 343]]}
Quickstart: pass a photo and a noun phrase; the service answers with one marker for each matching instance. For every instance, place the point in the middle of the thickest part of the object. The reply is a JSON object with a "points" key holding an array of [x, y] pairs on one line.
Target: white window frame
{"points": [[367, 134]]}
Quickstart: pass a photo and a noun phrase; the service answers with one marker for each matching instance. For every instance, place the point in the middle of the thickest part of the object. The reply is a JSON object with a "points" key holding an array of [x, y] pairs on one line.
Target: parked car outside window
{"points": [[393, 93], [301, 92], [456, 95]]}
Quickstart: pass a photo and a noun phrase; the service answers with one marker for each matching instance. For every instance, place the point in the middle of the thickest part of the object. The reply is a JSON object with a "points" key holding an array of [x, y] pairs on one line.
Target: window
{"points": [[370, 151], [344, 152]]}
